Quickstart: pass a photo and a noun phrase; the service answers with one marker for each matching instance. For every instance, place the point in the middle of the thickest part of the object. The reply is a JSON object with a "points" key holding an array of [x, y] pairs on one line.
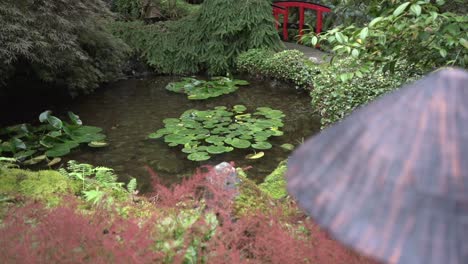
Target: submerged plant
{"points": [[200, 89], [54, 138], [216, 131]]}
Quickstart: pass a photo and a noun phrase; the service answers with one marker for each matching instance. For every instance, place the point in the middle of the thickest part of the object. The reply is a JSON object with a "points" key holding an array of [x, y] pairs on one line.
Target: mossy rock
{"points": [[274, 184], [47, 185]]}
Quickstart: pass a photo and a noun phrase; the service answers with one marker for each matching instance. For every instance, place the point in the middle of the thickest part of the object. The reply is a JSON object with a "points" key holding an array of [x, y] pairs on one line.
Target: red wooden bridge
{"points": [[281, 8]]}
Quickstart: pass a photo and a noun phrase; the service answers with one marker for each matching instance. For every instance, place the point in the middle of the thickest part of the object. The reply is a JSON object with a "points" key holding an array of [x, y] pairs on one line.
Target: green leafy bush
{"points": [[208, 40], [413, 34], [167, 9], [334, 99], [61, 43], [200, 89], [288, 65]]}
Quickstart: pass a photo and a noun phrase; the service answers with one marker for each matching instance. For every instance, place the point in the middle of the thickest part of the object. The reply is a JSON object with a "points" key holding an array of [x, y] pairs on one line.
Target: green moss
{"points": [[250, 199], [46, 185], [275, 184]]}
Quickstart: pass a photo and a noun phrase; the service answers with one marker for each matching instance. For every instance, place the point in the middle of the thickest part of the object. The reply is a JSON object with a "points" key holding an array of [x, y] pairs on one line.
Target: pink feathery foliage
{"points": [[206, 184], [34, 234]]}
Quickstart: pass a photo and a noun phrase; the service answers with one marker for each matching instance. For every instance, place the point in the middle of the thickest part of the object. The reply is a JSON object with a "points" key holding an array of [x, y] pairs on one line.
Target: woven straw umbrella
{"points": [[391, 180]]}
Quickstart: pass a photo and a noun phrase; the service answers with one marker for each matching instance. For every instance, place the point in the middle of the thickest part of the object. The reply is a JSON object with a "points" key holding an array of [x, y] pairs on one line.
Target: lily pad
{"points": [[218, 149], [287, 146], [199, 156], [262, 145], [54, 162], [238, 143], [97, 144], [239, 108], [255, 155]]}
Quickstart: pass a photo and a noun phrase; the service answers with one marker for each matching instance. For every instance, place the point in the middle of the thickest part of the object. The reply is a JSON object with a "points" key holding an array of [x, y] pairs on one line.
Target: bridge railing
{"points": [[281, 7]]}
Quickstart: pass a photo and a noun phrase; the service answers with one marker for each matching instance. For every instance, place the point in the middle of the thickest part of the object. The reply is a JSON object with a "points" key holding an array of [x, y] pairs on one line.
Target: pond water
{"points": [[129, 110]]}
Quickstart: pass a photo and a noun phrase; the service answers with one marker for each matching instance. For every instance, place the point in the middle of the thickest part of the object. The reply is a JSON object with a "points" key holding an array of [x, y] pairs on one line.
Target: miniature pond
{"points": [[129, 110]]}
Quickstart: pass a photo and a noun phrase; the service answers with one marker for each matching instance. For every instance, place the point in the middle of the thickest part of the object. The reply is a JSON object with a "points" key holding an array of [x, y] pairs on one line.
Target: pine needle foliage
{"points": [[208, 40], [59, 42]]}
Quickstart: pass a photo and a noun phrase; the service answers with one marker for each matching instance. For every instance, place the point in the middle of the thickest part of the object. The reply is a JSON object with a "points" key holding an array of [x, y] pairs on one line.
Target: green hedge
{"points": [[334, 99], [288, 65]]}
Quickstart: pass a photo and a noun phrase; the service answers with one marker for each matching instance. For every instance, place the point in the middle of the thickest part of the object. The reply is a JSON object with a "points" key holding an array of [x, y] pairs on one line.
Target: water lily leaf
{"points": [[262, 145], [97, 144], [287, 146], [198, 156], [215, 139], [171, 121], [75, 119], [239, 108], [218, 149], [172, 144], [189, 150], [276, 133], [255, 155], [240, 82], [54, 162], [247, 137], [238, 143], [156, 135]]}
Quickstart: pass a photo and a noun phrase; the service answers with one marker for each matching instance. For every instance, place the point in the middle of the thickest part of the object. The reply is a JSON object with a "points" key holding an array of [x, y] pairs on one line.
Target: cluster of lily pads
{"points": [[54, 138], [219, 130], [200, 89]]}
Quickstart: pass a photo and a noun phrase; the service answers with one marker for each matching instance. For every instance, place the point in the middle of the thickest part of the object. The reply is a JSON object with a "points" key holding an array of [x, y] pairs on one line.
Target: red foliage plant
{"points": [[35, 234]]}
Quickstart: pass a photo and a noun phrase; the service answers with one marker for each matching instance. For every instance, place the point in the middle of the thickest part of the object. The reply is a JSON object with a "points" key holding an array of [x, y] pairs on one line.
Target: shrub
{"points": [[334, 99], [191, 222], [414, 35], [168, 9], [208, 40], [60, 43], [288, 65]]}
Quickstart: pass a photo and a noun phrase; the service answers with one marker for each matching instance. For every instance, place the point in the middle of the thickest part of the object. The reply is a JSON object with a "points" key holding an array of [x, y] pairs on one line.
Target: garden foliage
{"points": [[414, 35], [207, 40], [60, 43], [334, 99], [288, 65], [168, 9]]}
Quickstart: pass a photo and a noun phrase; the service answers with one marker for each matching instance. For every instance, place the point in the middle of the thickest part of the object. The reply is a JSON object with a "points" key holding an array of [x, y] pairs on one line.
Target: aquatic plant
{"points": [[54, 138], [216, 131], [200, 89]]}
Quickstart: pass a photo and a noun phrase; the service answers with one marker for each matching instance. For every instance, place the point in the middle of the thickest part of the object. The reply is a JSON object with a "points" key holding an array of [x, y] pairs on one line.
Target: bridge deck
{"points": [[311, 53]]}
